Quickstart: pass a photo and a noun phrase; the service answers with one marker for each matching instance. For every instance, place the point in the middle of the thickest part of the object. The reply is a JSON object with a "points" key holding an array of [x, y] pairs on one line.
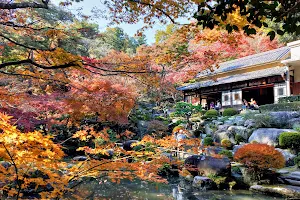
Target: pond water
{"points": [[139, 190]]}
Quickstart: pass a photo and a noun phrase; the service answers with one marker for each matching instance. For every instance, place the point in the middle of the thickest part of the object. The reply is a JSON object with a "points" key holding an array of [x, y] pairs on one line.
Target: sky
{"points": [[86, 6]]}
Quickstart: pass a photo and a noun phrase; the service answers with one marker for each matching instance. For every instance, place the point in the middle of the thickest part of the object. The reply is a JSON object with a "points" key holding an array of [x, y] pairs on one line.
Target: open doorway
{"points": [[262, 95], [207, 99]]}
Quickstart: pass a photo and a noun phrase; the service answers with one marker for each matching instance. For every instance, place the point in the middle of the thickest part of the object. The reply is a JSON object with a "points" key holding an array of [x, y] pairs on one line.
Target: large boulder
{"points": [[268, 136], [207, 165], [127, 145], [203, 183], [250, 123], [281, 119], [181, 137], [239, 121], [223, 127], [240, 130], [219, 136]]}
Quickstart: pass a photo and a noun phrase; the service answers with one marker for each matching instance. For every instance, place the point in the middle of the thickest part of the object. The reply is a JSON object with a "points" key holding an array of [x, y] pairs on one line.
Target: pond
{"points": [[140, 190]]}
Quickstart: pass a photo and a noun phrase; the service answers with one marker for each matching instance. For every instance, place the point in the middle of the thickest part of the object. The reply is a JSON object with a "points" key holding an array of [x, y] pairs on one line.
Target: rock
{"points": [[181, 137], [142, 127], [288, 156], [203, 183], [207, 165], [240, 130], [294, 122], [208, 130], [268, 136], [80, 158], [249, 123], [229, 122], [275, 190], [5, 164], [127, 145], [213, 150], [219, 136], [281, 119], [239, 121], [223, 127]]}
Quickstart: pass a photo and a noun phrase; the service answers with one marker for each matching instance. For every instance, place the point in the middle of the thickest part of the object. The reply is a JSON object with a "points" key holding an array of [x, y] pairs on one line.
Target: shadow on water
{"points": [[140, 190]]}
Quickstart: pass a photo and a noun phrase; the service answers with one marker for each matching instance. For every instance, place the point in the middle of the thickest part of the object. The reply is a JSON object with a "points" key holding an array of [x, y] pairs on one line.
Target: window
{"points": [[226, 98], [280, 92], [237, 97]]}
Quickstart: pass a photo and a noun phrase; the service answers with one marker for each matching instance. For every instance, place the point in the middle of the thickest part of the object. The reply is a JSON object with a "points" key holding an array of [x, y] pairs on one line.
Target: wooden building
{"points": [[265, 77]]}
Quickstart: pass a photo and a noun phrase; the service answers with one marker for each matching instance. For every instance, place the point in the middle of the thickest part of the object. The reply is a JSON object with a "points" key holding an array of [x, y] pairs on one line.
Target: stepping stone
{"points": [[297, 178], [296, 173], [292, 182]]}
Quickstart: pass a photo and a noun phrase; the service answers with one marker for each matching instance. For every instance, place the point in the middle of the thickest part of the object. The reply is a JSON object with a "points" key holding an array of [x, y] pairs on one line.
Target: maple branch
{"points": [[30, 61], [120, 71], [25, 46], [16, 170], [159, 9], [10, 6], [26, 26]]}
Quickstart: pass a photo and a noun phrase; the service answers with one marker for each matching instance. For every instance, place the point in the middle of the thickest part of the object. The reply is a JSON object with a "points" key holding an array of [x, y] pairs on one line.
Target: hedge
{"points": [[230, 112], [290, 140], [293, 106], [210, 114], [289, 99]]}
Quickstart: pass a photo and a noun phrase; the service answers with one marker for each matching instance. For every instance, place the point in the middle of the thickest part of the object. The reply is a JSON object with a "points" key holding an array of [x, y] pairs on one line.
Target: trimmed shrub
{"points": [[226, 143], [210, 114], [258, 158], [293, 106], [226, 153], [230, 112], [290, 140], [208, 141], [289, 99]]}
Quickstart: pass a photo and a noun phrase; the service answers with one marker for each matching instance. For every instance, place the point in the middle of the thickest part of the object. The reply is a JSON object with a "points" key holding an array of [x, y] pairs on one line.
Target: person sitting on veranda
{"points": [[245, 104], [253, 104], [212, 105]]}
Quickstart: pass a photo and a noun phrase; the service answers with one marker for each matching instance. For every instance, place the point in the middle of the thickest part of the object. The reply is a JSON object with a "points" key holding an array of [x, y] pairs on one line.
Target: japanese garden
{"points": [[150, 99]]}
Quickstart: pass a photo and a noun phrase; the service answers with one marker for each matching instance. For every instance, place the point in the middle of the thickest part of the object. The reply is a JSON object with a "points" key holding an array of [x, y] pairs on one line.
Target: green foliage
{"points": [[239, 139], [183, 109], [260, 120], [290, 140], [208, 141], [210, 114], [293, 106], [297, 161], [230, 112], [289, 99], [226, 153], [226, 143]]}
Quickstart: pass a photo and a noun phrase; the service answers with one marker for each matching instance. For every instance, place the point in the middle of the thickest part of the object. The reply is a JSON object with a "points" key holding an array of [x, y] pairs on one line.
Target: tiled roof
{"points": [[236, 78], [256, 59]]}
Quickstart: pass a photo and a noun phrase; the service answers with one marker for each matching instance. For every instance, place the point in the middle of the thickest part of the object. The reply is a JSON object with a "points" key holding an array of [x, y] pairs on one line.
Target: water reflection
{"points": [[140, 190]]}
